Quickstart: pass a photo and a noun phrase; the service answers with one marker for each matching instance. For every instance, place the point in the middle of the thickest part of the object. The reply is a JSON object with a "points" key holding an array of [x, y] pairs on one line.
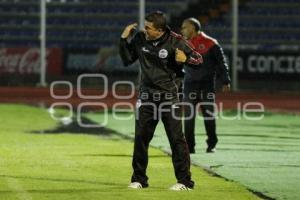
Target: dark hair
{"points": [[158, 19], [195, 22]]}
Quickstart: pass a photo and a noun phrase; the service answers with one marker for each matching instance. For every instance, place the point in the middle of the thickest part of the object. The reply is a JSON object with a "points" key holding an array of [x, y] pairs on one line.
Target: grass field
{"points": [[40, 160], [263, 155]]}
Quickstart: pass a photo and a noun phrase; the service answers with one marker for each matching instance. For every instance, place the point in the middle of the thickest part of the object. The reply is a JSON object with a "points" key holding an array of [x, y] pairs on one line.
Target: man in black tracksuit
{"points": [[199, 83], [161, 54]]}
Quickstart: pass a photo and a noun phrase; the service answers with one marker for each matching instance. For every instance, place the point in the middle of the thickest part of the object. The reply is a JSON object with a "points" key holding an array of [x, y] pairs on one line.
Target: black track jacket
{"points": [[159, 68], [214, 62]]}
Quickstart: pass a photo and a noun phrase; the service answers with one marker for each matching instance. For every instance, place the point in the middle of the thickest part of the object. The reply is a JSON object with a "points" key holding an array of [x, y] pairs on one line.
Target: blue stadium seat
{"points": [[261, 22], [95, 22]]}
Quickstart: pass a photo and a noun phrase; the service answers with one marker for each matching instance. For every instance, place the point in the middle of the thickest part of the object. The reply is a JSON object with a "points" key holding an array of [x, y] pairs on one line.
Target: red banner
{"points": [[27, 61]]}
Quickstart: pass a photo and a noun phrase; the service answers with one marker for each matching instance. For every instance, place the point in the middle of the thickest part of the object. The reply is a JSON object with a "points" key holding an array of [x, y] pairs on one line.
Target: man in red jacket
{"points": [[199, 83]]}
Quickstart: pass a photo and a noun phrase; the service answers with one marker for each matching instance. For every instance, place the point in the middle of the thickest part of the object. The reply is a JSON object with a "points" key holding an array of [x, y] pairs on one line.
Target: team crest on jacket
{"points": [[163, 53]]}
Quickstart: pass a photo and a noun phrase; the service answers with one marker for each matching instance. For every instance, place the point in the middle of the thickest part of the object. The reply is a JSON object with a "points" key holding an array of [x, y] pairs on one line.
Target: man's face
{"points": [[151, 32], [187, 30]]}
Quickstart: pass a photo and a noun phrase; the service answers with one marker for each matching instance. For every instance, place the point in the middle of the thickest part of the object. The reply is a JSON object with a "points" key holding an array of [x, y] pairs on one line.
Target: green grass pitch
{"points": [[37, 165], [263, 155], [41, 160]]}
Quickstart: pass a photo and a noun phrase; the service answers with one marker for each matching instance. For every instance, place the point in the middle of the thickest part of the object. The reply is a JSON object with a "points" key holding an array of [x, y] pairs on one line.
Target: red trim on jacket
{"points": [[192, 60], [203, 43]]}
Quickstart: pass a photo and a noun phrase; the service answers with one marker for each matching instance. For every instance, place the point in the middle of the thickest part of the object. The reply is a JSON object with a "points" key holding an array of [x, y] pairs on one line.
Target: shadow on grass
{"points": [[117, 155], [79, 190], [63, 180], [53, 191], [75, 128]]}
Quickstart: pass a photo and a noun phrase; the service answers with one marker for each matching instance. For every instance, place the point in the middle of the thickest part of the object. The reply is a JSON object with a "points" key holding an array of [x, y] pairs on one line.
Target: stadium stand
{"points": [[73, 23], [263, 23], [98, 23], [84, 36]]}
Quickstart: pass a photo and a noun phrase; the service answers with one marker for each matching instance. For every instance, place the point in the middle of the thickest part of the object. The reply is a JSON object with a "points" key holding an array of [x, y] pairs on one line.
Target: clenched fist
{"points": [[180, 56], [127, 30]]}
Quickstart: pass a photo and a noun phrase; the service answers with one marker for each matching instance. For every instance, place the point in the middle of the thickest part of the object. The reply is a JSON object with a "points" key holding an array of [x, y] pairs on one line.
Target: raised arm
{"points": [[127, 49]]}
